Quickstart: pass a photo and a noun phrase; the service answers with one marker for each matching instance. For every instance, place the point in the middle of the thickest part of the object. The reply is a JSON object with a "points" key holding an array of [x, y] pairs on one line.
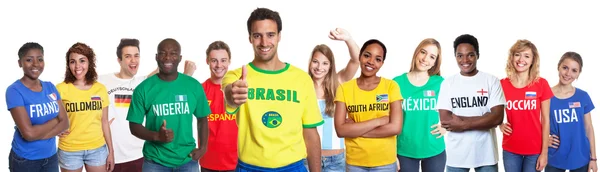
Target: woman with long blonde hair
{"points": [[418, 145], [326, 80], [525, 141]]}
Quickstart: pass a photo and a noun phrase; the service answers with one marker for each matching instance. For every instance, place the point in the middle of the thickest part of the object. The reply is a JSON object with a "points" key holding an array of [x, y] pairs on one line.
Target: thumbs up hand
{"points": [[165, 135], [239, 89]]}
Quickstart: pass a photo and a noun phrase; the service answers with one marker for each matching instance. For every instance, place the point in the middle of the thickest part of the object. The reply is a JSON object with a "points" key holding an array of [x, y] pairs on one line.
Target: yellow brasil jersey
{"points": [[280, 104], [365, 105], [84, 108]]}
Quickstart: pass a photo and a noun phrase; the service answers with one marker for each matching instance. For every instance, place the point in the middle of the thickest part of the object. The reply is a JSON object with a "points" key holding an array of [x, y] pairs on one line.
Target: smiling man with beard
{"points": [[169, 100]]}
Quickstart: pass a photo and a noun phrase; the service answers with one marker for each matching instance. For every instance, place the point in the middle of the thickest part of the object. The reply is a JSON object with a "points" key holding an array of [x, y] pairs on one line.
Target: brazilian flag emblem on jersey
{"points": [[271, 119]]}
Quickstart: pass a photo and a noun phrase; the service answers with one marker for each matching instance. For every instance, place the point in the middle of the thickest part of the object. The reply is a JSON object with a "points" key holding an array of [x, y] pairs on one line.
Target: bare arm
{"points": [[545, 126], [589, 132], [63, 122], [349, 71], [28, 131], [139, 131], [459, 123], [202, 127], [356, 129], [394, 127], [313, 147], [106, 129], [155, 71]]}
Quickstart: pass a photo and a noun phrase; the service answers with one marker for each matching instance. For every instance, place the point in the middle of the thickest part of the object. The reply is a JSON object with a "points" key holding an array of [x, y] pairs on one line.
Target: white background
{"points": [[554, 27]]}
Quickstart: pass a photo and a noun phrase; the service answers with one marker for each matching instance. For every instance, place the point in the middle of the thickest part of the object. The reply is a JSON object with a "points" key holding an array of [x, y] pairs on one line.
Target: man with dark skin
{"points": [[174, 98], [471, 105]]}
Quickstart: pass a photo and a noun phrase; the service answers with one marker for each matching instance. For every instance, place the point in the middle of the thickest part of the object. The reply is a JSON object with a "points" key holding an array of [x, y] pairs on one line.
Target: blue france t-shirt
{"points": [[567, 122], [41, 107]]}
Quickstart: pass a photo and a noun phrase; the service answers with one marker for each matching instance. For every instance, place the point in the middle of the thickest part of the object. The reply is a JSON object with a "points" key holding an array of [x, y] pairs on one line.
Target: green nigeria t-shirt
{"points": [[174, 101], [419, 109]]}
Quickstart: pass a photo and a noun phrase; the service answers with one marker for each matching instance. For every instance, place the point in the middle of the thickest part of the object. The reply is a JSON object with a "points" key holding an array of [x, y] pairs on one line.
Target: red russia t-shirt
{"points": [[524, 115], [223, 132]]}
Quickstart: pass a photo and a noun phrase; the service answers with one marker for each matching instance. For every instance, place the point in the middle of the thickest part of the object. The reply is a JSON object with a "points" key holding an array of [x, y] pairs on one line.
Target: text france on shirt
{"points": [[95, 103], [178, 106], [43, 109], [480, 100]]}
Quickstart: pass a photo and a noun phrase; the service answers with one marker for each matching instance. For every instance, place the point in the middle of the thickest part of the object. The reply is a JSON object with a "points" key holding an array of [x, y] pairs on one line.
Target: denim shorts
{"points": [[333, 163], [76, 160]]}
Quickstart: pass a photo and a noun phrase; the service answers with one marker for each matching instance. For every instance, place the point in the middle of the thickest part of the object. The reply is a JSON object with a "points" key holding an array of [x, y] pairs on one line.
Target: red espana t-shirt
{"points": [[223, 132], [523, 112]]}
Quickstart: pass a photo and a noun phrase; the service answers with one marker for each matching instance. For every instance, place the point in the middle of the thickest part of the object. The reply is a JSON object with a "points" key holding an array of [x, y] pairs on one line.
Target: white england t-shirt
{"points": [[471, 96], [126, 146]]}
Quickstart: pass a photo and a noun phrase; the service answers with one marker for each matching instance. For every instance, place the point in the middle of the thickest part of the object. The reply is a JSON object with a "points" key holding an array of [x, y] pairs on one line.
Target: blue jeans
{"points": [[297, 166], [333, 163], [554, 169], [489, 168], [431, 164], [385, 168], [151, 166], [516, 162], [20, 164]]}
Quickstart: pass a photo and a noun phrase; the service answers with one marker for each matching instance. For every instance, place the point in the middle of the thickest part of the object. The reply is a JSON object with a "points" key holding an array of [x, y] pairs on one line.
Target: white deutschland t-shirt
{"points": [[471, 96], [126, 146]]}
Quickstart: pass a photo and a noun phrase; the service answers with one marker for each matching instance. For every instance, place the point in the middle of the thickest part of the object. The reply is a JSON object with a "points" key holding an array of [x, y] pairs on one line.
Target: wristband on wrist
{"points": [[593, 159]]}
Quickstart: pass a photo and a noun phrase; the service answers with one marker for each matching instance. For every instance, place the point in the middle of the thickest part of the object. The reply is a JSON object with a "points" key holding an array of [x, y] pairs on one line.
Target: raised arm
{"points": [[394, 127], [155, 71], [351, 68]]}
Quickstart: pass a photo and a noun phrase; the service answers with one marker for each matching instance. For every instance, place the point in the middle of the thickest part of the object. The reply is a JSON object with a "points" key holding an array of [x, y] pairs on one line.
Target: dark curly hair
{"points": [[85, 50], [264, 14]]}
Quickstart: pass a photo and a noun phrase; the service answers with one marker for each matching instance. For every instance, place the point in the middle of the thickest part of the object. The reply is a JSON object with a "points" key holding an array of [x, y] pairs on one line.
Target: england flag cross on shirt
{"points": [[482, 92]]}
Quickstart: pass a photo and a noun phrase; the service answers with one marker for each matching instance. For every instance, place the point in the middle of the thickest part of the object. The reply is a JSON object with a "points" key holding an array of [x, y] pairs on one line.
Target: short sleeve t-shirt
{"points": [[126, 146], [567, 121], [41, 107], [280, 104], [420, 113], [175, 102], [523, 112], [470, 97], [222, 128], [84, 108], [365, 105]]}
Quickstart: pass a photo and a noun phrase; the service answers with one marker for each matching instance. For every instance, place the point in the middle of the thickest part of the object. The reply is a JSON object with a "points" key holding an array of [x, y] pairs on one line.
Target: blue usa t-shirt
{"points": [[567, 122], [41, 107]]}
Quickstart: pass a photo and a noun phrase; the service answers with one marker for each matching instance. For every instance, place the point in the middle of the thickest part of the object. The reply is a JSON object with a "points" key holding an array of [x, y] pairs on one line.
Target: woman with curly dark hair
{"points": [[88, 140]]}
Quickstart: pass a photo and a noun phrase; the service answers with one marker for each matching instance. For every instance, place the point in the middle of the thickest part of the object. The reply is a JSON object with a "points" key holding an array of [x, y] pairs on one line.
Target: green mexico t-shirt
{"points": [[174, 101], [419, 109]]}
